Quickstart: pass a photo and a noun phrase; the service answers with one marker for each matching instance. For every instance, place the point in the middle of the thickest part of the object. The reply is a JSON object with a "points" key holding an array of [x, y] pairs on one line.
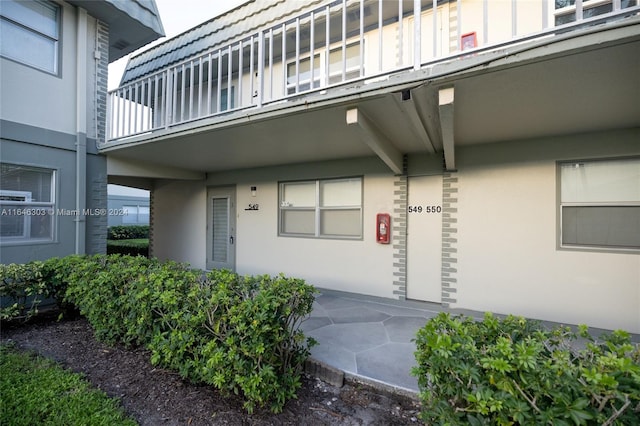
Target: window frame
{"points": [[318, 208], [561, 205], [224, 103], [571, 11], [55, 69], [324, 76], [28, 206], [136, 216]]}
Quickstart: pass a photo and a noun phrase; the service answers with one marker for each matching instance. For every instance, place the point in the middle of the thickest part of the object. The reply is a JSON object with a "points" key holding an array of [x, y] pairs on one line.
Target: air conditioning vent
{"points": [[121, 44]]}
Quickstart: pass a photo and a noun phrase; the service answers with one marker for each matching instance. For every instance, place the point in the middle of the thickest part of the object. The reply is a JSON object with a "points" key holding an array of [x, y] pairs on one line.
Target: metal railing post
{"points": [[380, 42], [400, 47], [514, 18], [109, 132], [284, 59], [579, 11], [240, 67], [485, 22], [434, 6], [344, 40], [416, 34], [229, 76], [312, 36], [260, 69], [270, 64], [297, 55], [251, 71]]}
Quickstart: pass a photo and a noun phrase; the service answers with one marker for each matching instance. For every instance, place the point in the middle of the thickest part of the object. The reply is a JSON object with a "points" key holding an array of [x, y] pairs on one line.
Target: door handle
{"points": [[231, 239]]}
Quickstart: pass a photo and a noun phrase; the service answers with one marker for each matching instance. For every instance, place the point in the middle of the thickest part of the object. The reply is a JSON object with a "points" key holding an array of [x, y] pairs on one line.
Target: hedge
{"points": [[135, 247], [127, 232], [513, 371], [239, 334], [22, 288]]}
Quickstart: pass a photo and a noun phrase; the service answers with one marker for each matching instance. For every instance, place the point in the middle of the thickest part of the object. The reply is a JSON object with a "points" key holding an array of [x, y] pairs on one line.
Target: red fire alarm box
{"points": [[383, 228], [468, 41]]}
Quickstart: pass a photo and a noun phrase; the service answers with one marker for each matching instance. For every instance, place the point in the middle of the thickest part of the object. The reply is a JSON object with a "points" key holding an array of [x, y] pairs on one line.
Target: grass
{"points": [[35, 390], [136, 242]]}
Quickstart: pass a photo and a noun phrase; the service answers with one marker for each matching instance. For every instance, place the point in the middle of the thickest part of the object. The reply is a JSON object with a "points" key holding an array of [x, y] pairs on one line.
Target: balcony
{"points": [[350, 41], [324, 85]]}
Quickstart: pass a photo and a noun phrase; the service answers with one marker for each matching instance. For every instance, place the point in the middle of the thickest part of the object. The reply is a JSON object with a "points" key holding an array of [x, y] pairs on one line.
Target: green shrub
{"points": [[22, 289], [127, 232], [35, 390], [136, 247], [56, 272], [241, 335], [119, 294], [25, 287], [512, 371]]}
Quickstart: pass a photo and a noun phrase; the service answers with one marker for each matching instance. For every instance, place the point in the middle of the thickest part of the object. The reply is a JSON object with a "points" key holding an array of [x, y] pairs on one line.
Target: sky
{"points": [[177, 16]]}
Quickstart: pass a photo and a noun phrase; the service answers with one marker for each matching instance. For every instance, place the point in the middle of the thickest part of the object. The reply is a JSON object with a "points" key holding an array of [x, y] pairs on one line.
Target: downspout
{"points": [[81, 131]]}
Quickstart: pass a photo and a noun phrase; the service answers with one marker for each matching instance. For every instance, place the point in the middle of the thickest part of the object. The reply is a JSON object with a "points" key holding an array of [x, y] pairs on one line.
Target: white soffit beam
{"points": [[375, 139], [445, 107], [134, 169], [408, 107]]}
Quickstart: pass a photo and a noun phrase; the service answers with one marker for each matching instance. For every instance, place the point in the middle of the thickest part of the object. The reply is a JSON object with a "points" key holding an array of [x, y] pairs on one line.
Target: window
{"points": [[26, 203], [304, 75], [29, 31], [321, 208], [567, 11], [600, 204], [320, 63], [225, 102], [135, 215]]}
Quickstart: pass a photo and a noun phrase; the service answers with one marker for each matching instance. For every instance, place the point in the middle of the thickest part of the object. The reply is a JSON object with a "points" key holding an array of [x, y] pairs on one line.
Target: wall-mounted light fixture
{"points": [[254, 190]]}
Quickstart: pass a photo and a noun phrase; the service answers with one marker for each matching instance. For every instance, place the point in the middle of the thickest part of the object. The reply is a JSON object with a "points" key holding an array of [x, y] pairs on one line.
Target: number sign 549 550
{"points": [[425, 209]]}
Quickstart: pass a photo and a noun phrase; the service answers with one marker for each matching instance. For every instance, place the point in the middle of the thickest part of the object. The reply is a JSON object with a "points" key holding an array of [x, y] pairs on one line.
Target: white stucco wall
{"points": [[361, 266], [508, 261], [179, 222]]}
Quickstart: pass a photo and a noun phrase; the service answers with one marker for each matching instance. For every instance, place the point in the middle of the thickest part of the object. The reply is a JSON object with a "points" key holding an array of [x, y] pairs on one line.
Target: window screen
{"points": [[322, 208], [29, 31], [26, 203], [600, 204], [220, 211]]}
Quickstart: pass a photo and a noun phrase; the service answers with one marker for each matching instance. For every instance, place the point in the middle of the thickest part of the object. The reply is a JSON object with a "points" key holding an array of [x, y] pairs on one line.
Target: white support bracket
{"points": [[375, 139], [409, 108], [445, 107]]}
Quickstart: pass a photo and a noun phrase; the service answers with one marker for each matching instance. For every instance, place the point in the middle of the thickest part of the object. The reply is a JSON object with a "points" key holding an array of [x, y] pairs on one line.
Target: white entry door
{"points": [[221, 228], [424, 236]]}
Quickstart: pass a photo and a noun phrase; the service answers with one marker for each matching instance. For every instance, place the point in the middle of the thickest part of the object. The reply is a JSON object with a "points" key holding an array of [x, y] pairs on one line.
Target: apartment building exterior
{"points": [[476, 154], [127, 210], [54, 58]]}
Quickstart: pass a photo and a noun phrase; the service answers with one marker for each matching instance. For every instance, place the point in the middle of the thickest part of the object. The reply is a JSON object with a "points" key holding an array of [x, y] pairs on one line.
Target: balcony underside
{"points": [[573, 84]]}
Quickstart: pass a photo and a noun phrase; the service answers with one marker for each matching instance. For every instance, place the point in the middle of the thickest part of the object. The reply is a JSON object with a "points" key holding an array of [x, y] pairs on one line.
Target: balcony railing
{"points": [[338, 42]]}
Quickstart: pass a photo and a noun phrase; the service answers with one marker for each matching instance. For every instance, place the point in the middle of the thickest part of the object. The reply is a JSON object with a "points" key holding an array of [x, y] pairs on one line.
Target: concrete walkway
{"points": [[369, 338]]}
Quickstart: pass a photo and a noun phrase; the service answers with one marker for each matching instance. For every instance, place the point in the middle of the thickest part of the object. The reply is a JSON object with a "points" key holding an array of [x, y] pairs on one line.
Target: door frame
{"points": [[424, 238], [229, 193]]}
